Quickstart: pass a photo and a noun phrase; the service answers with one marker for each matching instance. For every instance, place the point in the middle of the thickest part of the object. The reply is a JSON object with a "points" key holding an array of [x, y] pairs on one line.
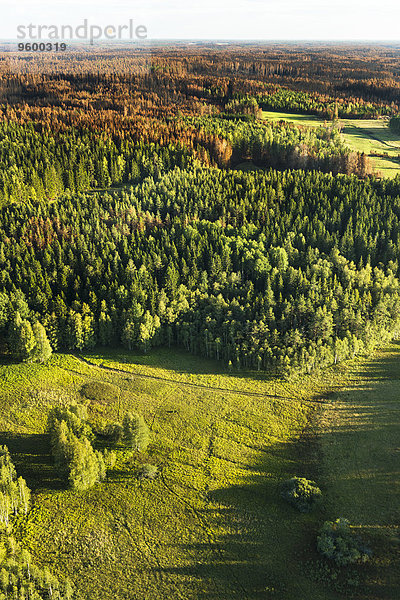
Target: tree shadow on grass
{"points": [[361, 467], [384, 367], [33, 461], [178, 360], [254, 545]]}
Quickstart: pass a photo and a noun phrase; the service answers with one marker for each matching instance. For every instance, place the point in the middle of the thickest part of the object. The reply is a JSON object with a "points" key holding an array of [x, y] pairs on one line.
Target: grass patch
{"points": [[100, 392], [373, 136], [212, 523], [299, 119], [360, 449]]}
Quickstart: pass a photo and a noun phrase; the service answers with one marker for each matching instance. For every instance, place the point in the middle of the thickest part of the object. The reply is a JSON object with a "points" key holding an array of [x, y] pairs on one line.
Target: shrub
{"points": [[147, 471], [301, 493], [100, 391], [338, 543], [113, 432]]}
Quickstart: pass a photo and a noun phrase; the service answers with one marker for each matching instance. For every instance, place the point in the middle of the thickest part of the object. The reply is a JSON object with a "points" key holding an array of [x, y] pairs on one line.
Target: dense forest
{"points": [[290, 267]]}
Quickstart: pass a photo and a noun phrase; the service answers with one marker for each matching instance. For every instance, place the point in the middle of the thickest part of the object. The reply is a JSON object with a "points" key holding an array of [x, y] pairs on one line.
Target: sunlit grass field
{"points": [[299, 119], [374, 136], [213, 524], [371, 136]]}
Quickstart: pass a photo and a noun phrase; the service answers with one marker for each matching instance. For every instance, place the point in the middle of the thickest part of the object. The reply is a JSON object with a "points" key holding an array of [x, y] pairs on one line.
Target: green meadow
{"points": [[298, 118], [371, 136], [374, 138], [212, 525]]}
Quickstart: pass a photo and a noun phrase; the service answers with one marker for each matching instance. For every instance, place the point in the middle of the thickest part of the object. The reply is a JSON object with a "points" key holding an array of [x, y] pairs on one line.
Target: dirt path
{"points": [[186, 383]]}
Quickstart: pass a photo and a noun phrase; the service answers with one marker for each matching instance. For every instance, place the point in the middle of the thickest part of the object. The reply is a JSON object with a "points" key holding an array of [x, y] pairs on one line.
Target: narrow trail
{"points": [[189, 384]]}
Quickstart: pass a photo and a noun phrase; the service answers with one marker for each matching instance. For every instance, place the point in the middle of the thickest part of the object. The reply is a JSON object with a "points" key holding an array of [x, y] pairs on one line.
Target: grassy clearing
{"points": [[213, 524], [299, 119], [373, 136]]}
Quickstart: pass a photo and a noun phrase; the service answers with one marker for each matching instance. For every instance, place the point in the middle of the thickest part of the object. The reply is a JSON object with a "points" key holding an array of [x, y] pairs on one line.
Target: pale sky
{"points": [[217, 19]]}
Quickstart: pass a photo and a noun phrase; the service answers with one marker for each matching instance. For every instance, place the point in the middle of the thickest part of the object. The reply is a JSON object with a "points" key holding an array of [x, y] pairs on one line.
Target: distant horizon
{"points": [[213, 40], [213, 20]]}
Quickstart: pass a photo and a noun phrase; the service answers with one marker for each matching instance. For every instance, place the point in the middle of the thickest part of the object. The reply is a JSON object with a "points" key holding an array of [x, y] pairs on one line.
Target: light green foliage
{"points": [[71, 447], [42, 349], [28, 342], [75, 417], [21, 579], [337, 542], [14, 493], [21, 338], [136, 431], [87, 466], [147, 471]]}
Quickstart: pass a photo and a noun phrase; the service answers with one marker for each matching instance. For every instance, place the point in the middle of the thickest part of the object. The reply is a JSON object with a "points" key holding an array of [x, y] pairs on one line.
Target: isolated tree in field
{"points": [[136, 431], [339, 543], [301, 493]]}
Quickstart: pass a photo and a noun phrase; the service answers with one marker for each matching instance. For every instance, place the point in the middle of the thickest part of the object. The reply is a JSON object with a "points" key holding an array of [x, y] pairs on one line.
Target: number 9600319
{"points": [[42, 47]]}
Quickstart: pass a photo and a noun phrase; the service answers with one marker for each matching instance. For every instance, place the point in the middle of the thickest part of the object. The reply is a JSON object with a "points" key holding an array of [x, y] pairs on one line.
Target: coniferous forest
{"points": [[150, 208]]}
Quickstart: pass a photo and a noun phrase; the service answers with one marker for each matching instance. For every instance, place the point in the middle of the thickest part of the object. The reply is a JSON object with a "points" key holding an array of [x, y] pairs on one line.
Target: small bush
{"points": [[338, 543], [100, 391], [113, 432], [301, 493], [147, 471]]}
